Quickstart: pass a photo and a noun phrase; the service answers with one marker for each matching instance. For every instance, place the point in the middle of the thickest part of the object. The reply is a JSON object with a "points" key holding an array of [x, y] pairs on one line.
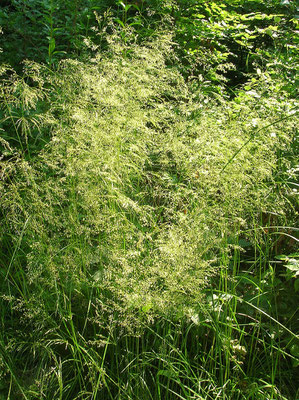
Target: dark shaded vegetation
{"points": [[224, 41]]}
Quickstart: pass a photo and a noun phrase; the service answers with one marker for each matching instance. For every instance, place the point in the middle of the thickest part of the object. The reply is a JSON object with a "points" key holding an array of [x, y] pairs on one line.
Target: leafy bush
{"points": [[222, 42]]}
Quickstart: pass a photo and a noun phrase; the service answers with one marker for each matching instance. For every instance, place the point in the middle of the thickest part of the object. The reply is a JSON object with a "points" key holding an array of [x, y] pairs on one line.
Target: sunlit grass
{"points": [[125, 212]]}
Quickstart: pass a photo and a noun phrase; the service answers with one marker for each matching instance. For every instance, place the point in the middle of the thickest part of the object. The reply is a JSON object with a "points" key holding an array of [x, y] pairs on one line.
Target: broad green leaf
{"points": [[167, 373], [295, 350], [51, 46]]}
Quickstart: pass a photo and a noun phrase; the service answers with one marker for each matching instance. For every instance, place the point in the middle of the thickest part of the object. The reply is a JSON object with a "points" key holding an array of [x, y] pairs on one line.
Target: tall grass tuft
{"points": [[122, 225]]}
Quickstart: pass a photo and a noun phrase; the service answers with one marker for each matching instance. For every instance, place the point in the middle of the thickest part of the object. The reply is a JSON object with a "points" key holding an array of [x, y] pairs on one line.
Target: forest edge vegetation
{"points": [[148, 200]]}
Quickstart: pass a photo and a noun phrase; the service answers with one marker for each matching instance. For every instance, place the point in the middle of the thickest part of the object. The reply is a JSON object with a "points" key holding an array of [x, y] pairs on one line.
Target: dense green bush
{"points": [[221, 41]]}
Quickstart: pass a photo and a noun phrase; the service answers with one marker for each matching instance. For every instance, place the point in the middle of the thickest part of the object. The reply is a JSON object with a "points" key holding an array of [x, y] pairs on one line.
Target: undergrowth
{"points": [[128, 199]]}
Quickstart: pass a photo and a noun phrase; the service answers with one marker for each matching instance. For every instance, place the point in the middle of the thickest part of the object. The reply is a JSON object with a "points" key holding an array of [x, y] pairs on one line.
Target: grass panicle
{"points": [[137, 241]]}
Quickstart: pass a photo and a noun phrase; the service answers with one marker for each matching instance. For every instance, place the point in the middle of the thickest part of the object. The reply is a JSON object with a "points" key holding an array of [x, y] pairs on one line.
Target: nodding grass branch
{"points": [[17, 247], [293, 112]]}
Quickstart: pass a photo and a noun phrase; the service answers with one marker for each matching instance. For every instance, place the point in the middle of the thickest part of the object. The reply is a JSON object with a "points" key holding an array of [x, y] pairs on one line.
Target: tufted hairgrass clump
{"points": [[124, 192]]}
